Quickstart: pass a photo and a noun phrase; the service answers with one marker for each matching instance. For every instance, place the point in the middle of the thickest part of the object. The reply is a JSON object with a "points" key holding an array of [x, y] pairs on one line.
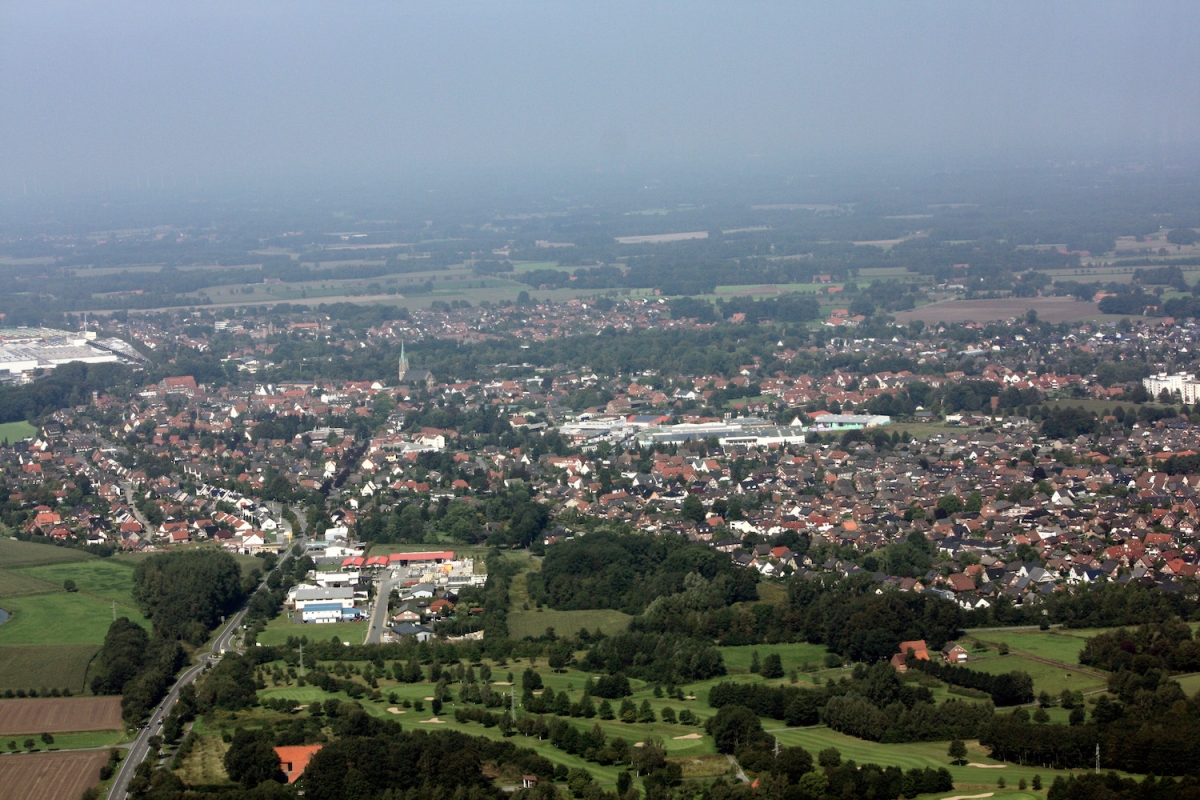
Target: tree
{"points": [[950, 504], [47, 738], [733, 727], [251, 758], [794, 762], [772, 666], [186, 592], [812, 786], [755, 664], [957, 751], [69, 585], [693, 509], [650, 756]]}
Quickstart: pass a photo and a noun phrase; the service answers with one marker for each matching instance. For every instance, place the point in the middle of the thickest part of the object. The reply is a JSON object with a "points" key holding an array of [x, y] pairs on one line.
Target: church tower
{"points": [[403, 361]]}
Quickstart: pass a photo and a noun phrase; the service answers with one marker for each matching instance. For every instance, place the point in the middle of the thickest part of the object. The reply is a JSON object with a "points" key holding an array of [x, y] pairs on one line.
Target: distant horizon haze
{"points": [[119, 96]]}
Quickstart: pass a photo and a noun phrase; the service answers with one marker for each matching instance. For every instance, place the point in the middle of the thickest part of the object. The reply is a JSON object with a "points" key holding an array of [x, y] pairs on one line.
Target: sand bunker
{"points": [[428, 699], [501, 683], [690, 736], [433, 721], [969, 796], [989, 766], [394, 710]]}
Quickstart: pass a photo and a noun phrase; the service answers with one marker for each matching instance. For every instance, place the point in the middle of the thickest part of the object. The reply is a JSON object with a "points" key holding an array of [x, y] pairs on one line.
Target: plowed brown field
{"points": [[49, 776], [59, 715]]}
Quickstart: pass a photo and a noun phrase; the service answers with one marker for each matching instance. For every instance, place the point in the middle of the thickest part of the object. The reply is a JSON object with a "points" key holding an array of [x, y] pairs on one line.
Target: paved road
{"points": [[141, 747], [379, 615], [146, 527]]}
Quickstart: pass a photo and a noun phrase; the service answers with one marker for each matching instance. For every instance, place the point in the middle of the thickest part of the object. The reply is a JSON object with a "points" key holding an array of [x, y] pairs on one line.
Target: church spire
{"points": [[403, 360]]}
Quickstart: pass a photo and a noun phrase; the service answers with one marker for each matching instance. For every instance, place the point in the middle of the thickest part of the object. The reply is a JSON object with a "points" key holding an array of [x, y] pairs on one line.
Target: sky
{"points": [[222, 92]]}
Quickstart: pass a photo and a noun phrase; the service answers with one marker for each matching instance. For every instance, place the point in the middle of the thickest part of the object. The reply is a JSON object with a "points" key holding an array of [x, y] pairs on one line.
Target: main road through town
{"points": [[379, 614], [141, 745]]}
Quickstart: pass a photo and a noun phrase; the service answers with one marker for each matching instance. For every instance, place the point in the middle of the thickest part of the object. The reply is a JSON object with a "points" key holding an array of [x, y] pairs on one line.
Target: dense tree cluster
{"points": [[135, 665], [1006, 688], [872, 704], [671, 658], [1165, 645], [186, 592], [627, 571]]}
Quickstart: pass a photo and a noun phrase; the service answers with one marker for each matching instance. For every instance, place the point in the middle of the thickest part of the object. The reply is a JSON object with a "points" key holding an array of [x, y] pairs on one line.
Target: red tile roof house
{"points": [[920, 652], [294, 759]]}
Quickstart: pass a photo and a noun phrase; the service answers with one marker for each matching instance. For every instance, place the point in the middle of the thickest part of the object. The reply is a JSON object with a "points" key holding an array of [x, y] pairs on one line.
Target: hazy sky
{"points": [[231, 90]]}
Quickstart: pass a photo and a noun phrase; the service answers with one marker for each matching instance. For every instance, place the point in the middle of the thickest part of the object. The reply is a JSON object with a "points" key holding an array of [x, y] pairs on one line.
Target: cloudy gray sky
{"points": [[229, 90]]}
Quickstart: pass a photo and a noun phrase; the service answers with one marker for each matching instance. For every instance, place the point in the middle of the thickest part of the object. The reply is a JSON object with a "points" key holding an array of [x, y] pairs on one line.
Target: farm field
{"points": [[102, 577], [15, 553], [50, 666], [16, 431], [535, 623], [49, 776], [1050, 309], [61, 618], [60, 715]]}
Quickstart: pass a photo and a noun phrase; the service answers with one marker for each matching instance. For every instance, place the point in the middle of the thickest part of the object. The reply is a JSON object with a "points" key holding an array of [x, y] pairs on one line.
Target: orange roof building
{"points": [[920, 652], [294, 759]]}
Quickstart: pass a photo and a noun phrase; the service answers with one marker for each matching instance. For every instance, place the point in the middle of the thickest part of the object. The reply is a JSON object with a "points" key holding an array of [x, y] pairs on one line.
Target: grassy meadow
{"points": [[15, 554], [62, 618], [103, 578], [279, 629], [16, 431]]}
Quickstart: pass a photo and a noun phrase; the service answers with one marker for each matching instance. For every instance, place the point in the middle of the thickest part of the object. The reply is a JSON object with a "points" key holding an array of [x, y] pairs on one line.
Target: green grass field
{"points": [[15, 584], [279, 629], [16, 431], [74, 741], [535, 623], [967, 780], [1046, 677], [102, 577], [61, 618], [793, 656], [1059, 644], [15, 553], [62, 666], [1190, 683]]}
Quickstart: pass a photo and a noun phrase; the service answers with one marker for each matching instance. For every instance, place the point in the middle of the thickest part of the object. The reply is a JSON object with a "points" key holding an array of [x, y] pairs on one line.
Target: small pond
{"points": [[3, 616]]}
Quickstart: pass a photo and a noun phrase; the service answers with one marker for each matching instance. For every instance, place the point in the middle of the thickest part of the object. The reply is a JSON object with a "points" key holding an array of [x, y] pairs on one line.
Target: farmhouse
{"points": [[919, 650], [293, 760], [954, 653]]}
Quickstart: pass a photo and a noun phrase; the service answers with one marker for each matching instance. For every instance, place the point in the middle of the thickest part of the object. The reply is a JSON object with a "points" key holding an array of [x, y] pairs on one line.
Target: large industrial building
{"points": [[25, 350]]}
